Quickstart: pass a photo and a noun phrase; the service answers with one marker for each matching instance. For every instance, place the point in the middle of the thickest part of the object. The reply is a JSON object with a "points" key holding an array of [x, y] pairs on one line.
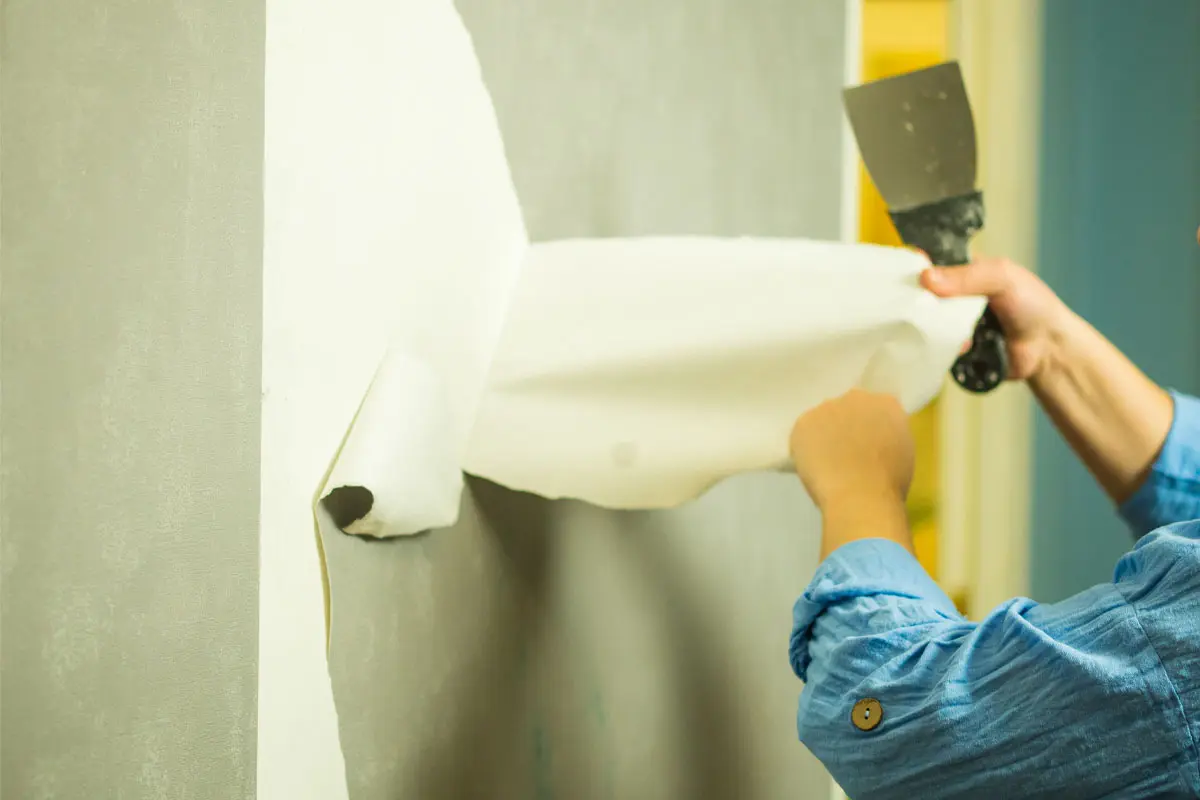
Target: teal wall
{"points": [[1119, 207]]}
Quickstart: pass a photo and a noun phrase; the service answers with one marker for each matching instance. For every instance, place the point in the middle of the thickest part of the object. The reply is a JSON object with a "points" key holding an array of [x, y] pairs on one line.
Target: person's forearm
{"points": [[1113, 416], [866, 516]]}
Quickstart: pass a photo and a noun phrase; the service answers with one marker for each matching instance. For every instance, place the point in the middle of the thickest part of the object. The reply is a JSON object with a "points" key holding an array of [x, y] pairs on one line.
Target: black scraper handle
{"points": [[944, 230]]}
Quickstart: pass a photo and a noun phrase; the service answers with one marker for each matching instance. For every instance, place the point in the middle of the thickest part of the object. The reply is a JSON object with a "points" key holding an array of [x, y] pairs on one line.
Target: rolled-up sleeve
{"points": [[867, 587], [1033, 701], [1171, 492]]}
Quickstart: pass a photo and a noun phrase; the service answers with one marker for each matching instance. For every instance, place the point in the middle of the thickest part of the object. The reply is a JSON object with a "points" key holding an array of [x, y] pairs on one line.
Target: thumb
{"points": [[985, 278]]}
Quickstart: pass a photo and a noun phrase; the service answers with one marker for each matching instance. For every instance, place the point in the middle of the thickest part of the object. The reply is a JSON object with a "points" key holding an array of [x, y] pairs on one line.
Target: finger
{"points": [[980, 278], [966, 348]]}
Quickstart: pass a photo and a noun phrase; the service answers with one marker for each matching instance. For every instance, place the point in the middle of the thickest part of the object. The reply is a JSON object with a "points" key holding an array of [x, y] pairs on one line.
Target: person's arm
{"points": [[904, 698], [1171, 491], [854, 455], [866, 516], [1141, 442], [1113, 416]]}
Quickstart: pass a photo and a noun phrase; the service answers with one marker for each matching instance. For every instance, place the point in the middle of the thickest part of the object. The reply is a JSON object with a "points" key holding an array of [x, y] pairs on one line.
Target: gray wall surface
{"points": [[537, 649], [551, 649], [129, 420]]}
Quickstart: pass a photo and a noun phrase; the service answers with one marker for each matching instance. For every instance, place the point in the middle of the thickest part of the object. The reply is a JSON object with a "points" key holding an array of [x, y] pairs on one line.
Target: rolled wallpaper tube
{"points": [[397, 472]]}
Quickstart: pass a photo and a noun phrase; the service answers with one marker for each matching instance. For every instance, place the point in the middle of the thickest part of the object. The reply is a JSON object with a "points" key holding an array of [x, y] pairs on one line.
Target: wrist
{"points": [[866, 515], [868, 507], [885, 506], [1064, 339]]}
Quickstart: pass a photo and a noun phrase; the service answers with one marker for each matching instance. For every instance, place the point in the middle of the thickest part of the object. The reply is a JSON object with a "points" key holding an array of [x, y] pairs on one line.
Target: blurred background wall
{"points": [[1119, 201]]}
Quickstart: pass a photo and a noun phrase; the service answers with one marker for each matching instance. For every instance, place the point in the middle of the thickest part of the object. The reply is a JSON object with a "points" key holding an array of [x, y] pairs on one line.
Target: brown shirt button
{"points": [[867, 714]]}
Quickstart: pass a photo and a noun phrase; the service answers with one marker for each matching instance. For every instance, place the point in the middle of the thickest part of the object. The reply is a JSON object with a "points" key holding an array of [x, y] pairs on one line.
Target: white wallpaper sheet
{"points": [[411, 332]]}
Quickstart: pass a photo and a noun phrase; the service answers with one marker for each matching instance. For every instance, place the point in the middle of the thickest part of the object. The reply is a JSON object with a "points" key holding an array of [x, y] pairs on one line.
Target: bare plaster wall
{"points": [[130, 323]]}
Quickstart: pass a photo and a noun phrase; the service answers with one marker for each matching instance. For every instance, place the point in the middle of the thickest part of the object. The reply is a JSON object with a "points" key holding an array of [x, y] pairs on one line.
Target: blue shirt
{"points": [[1096, 696]]}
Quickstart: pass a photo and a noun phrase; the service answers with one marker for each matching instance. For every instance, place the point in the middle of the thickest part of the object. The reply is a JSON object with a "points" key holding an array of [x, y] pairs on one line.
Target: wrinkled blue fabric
{"points": [[1096, 696]]}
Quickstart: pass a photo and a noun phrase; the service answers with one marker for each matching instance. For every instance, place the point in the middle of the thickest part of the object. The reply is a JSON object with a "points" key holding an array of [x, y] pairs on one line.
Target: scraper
{"points": [[916, 134]]}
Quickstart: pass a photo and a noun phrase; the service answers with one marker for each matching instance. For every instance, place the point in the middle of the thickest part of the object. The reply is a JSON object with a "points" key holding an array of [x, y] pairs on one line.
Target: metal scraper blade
{"points": [[916, 134]]}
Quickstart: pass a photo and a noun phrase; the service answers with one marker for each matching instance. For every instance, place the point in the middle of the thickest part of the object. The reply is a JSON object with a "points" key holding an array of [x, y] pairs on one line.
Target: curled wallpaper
{"points": [[631, 373], [411, 332]]}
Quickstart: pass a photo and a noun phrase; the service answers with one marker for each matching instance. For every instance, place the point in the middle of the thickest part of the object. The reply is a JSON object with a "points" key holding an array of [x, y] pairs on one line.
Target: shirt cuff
{"points": [[1171, 492], [878, 569]]}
